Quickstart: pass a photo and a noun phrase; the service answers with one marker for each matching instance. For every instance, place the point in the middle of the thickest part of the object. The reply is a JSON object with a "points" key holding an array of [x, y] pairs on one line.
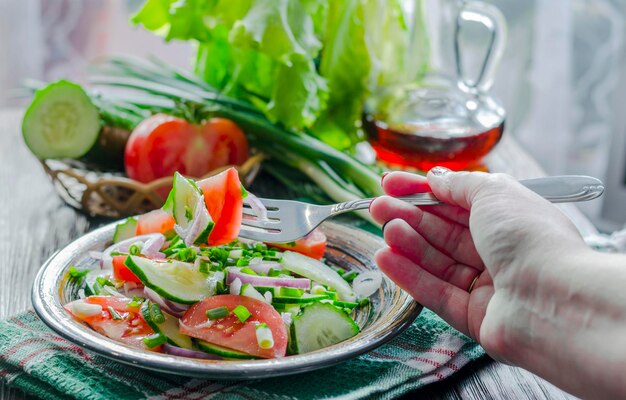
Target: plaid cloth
{"points": [[35, 360]]}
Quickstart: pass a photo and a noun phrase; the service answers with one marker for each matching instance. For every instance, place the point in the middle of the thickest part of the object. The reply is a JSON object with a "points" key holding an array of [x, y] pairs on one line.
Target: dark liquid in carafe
{"points": [[450, 143]]}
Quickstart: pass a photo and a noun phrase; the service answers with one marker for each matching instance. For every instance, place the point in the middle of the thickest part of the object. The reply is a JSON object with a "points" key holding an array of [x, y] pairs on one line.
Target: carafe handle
{"points": [[493, 20]]}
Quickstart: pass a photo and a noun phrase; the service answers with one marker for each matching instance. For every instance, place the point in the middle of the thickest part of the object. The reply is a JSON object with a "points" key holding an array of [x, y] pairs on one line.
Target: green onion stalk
{"points": [[341, 176]]}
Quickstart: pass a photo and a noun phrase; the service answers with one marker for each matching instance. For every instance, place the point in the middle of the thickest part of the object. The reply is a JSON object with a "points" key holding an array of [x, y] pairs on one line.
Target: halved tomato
{"points": [[162, 144], [230, 332], [156, 221], [224, 201], [121, 271], [130, 329], [312, 245]]}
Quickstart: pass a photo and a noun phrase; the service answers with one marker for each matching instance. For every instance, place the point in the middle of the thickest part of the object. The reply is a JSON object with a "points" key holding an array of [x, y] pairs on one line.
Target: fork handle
{"points": [[556, 189]]}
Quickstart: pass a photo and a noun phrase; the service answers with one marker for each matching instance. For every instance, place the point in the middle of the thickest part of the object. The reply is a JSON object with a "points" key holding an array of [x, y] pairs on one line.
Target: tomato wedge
{"points": [[224, 201], [312, 245], [130, 329], [156, 221], [230, 332], [121, 271], [162, 144]]}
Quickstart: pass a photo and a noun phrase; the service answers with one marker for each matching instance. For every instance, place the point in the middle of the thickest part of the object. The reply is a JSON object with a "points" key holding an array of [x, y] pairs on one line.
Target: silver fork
{"points": [[289, 220]]}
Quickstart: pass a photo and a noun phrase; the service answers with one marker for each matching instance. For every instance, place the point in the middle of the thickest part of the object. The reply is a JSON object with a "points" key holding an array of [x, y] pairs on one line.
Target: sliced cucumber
{"points": [[175, 280], [223, 351], [92, 287], [125, 230], [320, 325], [168, 328], [319, 272], [61, 122], [186, 204], [294, 309], [249, 291], [304, 299]]}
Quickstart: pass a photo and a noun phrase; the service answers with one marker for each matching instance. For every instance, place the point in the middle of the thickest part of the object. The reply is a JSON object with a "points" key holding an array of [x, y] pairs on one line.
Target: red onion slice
{"points": [[235, 286], [180, 352], [174, 309], [257, 207], [367, 283], [107, 261], [255, 280], [152, 246]]}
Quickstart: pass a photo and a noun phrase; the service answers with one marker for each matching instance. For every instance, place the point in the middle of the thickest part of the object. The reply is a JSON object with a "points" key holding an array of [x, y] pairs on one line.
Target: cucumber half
{"points": [[223, 351], [320, 325], [61, 122], [186, 204], [168, 328], [125, 230], [175, 280]]}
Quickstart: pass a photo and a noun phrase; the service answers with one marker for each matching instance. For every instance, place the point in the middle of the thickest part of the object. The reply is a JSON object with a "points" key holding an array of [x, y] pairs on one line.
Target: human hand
{"points": [[493, 234]]}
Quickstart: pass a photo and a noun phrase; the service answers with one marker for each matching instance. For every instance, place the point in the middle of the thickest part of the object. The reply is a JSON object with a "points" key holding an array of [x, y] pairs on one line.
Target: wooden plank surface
{"points": [[34, 222]]}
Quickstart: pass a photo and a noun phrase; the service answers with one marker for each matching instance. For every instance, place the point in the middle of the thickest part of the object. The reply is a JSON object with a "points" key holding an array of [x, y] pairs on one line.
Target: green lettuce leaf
{"points": [[307, 64]]}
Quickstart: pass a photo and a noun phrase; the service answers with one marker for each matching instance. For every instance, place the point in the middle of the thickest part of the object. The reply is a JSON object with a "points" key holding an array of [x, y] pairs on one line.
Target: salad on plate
{"points": [[179, 281]]}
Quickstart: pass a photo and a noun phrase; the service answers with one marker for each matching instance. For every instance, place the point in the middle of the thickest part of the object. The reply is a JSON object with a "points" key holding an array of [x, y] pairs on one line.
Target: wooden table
{"points": [[34, 222]]}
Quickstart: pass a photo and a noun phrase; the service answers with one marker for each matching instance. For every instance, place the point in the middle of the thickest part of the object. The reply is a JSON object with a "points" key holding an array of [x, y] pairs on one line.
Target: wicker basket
{"points": [[112, 194]]}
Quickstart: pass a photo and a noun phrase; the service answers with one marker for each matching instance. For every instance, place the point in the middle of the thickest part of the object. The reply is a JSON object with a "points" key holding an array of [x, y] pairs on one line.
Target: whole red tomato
{"points": [[162, 145]]}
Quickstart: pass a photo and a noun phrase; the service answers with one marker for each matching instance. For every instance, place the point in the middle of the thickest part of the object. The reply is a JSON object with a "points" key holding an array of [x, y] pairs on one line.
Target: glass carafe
{"points": [[446, 115]]}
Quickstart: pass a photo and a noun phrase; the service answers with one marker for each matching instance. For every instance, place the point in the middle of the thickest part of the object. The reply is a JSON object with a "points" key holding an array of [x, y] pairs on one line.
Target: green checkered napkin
{"points": [[35, 360]]}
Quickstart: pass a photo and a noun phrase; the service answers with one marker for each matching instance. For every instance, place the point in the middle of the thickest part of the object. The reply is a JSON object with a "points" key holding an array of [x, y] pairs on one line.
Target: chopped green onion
{"points": [[318, 289], [349, 276], [217, 313], [260, 246], [188, 213], [77, 275], [155, 340], [289, 244], [340, 271], [187, 254], [242, 262], [156, 314], [115, 253], [248, 271], [216, 266], [236, 253], [274, 272], [242, 313], [97, 288], [264, 336], [114, 314], [291, 292], [175, 244], [104, 281], [134, 250], [244, 192], [203, 266], [135, 302], [364, 302]]}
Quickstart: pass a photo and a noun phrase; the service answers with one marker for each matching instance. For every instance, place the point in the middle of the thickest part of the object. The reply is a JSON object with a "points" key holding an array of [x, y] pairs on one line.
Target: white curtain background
{"points": [[562, 79]]}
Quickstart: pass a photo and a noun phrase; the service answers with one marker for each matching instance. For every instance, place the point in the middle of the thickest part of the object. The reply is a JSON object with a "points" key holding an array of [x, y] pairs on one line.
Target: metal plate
{"points": [[390, 312]]}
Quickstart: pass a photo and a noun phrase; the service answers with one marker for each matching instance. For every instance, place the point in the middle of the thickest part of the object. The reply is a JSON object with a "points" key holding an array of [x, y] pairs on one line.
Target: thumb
{"points": [[463, 188]]}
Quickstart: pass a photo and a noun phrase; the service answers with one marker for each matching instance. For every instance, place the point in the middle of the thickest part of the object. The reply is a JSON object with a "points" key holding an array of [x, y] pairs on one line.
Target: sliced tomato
{"points": [[312, 245], [224, 201], [161, 145], [157, 221], [230, 332], [130, 329], [121, 271]]}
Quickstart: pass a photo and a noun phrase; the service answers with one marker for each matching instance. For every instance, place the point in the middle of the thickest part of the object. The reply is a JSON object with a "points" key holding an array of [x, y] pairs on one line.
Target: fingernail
{"points": [[382, 178], [383, 228], [439, 171]]}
